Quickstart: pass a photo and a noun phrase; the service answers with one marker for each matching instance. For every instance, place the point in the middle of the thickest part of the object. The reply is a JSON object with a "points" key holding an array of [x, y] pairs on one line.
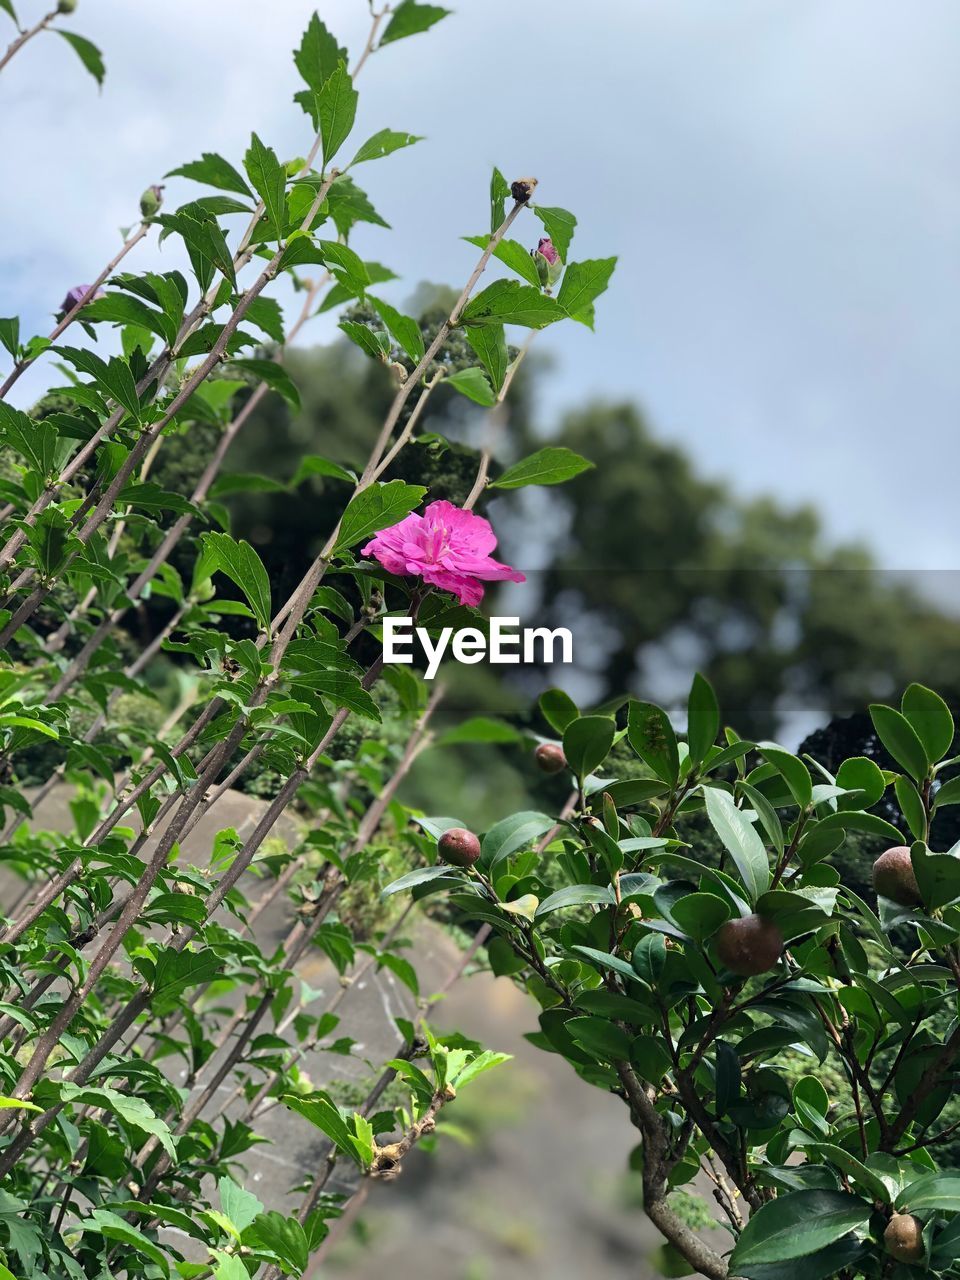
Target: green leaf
{"points": [[930, 718], [243, 566], [132, 1110], [558, 709], [229, 1267], [598, 1036], [489, 345], [651, 735], [112, 1227], [552, 465], [410, 18], [7, 7], [336, 106], [938, 875], [509, 302], [404, 329], [239, 1205], [284, 1236], [87, 52], [270, 180], [314, 465], [649, 958], [482, 1062], [901, 740], [575, 895], [510, 834], [700, 915], [18, 1104], [319, 55], [582, 284], [320, 1109], [377, 507], [587, 742], [499, 194], [274, 375], [513, 255], [798, 1224], [559, 226], [947, 793], [383, 144], [373, 342], [793, 771], [10, 334], [936, 1190], [607, 961], [911, 806], [858, 1173], [838, 1259], [479, 729], [703, 718], [215, 172], [740, 839], [177, 970], [422, 875], [473, 384]]}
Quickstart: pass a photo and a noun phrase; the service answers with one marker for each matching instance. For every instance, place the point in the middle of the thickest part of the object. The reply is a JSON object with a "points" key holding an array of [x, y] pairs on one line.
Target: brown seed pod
{"points": [[749, 946], [459, 847], [903, 1238], [550, 758], [895, 878]]}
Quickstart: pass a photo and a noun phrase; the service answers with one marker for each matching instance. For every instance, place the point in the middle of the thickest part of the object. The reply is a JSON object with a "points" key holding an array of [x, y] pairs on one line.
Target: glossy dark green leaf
{"points": [[587, 742], [798, 1224], [703, 719], [651, 735], [931, 720], [900, 738], [558, 709]]}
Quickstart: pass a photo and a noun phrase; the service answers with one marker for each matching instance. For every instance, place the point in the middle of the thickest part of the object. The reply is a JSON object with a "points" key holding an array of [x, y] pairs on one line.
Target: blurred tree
{"points": [[662, 570]]}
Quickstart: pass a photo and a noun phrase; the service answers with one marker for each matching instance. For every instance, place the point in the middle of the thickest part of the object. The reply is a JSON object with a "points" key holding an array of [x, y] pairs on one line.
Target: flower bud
{"points": [[151, 200], [523, 189], [74, 295], [548, 262], [66, 6]]}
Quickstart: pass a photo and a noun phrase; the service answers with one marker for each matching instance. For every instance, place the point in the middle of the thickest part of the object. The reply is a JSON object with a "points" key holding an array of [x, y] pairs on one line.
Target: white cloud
{"points": [[778, 179]]}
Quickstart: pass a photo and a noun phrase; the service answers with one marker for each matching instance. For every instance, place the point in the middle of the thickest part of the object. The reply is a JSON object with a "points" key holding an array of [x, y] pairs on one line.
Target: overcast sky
{"points": [[779, 178]]}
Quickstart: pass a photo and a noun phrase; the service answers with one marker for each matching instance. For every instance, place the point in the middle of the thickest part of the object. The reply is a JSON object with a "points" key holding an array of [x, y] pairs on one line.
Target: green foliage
{"points": [[155, 658], [624, 957]]}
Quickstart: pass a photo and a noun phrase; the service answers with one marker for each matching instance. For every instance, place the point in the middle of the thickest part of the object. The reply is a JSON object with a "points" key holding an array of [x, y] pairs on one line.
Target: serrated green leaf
{"points": [[552, 465]]}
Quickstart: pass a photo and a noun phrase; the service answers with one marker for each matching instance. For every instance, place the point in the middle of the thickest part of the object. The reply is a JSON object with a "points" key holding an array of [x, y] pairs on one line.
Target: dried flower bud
{"points": [[523, 189], [151, 200], [548, 262]]}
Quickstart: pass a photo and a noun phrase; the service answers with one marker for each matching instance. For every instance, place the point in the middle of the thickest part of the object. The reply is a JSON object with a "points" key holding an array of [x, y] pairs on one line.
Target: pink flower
{"points": [[546, 247], [447, 547]]}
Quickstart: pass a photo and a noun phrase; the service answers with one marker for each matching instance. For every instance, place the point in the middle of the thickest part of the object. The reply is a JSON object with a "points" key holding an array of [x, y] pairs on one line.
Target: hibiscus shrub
{"points": [[149, 1024], [711, 995]]}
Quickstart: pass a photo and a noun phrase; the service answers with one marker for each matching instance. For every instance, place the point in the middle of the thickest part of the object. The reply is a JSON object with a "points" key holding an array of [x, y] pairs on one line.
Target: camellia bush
{"points": [[711, 995], [146, 1027]]}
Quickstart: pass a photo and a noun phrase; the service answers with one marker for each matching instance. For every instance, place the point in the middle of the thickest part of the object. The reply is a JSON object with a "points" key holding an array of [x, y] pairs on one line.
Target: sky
{"points": [[778, 178]]}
